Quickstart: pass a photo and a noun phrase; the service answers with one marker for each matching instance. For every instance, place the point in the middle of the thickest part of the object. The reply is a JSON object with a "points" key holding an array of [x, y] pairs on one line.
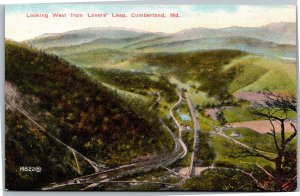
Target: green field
{"points": [[253, 139], [263, 142], [241, 114], [238, 114], [223, 148]]}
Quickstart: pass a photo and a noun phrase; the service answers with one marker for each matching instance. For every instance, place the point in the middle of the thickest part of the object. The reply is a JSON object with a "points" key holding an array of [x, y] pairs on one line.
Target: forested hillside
{"points": [[76, 110]]}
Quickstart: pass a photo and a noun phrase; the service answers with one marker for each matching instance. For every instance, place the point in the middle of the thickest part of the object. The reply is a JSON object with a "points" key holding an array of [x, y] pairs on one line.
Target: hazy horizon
{"points": [[138, 30], [192, 16]]}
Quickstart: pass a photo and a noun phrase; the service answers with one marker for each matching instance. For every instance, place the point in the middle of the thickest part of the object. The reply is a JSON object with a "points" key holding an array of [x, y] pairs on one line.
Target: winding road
{"points": [[196, 128], [180, 129]]}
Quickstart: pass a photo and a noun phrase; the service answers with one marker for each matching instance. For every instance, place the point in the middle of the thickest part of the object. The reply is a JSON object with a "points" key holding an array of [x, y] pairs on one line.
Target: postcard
{"points": [[149, 97]]}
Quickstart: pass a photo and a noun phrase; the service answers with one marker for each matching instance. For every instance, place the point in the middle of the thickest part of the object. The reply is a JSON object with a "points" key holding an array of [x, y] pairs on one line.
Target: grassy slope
{"points": [[263, 142], [222, 153], [251, 138], [97, 57], [262, 74], [240, 72], [238, 114]]}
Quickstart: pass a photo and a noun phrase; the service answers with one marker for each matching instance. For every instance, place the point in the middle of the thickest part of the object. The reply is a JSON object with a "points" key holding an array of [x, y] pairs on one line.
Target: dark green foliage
{"points": [[205, 152], [26, 146], [221, 118], [171, 124], [224, 164], [87, 116], [134, 81], [188, 138], [141, 174], [192, 60], [206, 67], [221, 180]]}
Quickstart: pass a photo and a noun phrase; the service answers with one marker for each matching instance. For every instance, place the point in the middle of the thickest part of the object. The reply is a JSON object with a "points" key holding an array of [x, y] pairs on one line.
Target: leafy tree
{"points": [[275, 109], [221, 118]]}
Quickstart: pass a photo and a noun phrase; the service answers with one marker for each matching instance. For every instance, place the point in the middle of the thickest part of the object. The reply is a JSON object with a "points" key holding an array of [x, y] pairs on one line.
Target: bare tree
{"points": [[276, 109]]}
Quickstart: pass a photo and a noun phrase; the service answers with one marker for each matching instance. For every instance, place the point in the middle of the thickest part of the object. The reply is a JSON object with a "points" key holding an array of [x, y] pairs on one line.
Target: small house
{"points": [[236, 134]]}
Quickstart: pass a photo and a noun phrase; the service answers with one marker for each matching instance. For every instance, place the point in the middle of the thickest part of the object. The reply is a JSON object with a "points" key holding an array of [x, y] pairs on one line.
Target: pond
{"points": [[185, 117]]}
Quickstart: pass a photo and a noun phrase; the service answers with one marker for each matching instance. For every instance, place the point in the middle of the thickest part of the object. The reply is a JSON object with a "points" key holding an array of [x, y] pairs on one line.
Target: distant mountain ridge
{"points": [[276, 39], [77, 37], [287, 29], [281, 33]]}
